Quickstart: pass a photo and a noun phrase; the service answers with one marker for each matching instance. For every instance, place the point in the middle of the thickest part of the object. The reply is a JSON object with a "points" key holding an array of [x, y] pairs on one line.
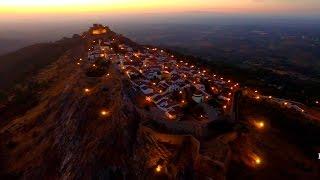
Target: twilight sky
{"points": [[39, 14], [15, 8], [42, 20]]}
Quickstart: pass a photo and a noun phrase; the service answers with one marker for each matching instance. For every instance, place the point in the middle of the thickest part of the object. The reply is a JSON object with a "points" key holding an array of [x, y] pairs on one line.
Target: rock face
{"points": [[175, 153], [180, 156]]}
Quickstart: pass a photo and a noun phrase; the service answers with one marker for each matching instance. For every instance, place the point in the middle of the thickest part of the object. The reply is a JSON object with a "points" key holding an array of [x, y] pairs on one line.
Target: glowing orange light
{"points": [[86, 90], [257, 97], [171, 116], [224, 107], [104, 112], [259, 124], [257, 160], [148, 99], [158, 168]]}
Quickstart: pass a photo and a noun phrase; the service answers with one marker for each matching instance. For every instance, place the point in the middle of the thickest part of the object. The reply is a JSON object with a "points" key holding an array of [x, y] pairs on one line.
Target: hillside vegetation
{"points": [[17, 66]]}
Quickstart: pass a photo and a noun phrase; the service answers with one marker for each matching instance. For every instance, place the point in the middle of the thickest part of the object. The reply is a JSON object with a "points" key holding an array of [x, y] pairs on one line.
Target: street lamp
{"points": [[104, 112], [259, 124], [158, 168], [257, 160]]}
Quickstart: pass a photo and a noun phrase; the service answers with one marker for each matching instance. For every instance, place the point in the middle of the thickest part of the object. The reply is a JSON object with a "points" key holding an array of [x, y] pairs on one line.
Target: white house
{"points": [[146, 90], [198, 97]]}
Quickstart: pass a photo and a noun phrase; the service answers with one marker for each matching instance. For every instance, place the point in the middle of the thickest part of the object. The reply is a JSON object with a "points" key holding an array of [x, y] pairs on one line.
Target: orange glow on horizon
{"points": [[156, 6]]}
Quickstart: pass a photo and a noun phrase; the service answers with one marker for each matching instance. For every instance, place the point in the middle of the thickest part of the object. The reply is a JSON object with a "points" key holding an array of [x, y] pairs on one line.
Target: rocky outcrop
{"points": [[179, 155]]}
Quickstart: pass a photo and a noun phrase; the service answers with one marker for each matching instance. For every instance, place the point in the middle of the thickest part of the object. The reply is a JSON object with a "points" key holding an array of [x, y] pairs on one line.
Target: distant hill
{"points": [[16, 66], [10, 45]]}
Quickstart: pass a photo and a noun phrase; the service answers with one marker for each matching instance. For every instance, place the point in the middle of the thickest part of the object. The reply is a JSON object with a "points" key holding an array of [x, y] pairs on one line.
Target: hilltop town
{"points": [[176, 90], [169, 83]]}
